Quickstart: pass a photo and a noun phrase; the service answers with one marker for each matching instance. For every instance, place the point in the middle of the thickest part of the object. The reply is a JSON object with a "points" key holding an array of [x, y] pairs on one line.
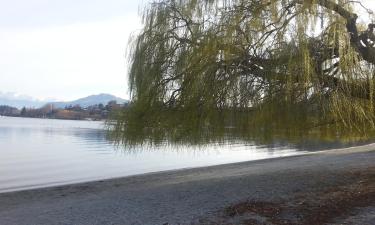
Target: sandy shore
{"points": [[335, 186]]}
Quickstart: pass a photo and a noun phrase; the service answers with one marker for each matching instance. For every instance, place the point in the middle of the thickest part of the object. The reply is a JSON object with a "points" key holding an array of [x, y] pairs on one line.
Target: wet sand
{"points": [[335, 186]]}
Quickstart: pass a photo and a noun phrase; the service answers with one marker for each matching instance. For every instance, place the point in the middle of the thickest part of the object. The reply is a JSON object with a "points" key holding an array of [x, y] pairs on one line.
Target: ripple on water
{"points": [[42, 152]]}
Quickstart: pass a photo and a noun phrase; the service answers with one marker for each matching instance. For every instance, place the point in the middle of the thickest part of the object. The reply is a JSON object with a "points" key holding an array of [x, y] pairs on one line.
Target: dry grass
{"points": [[316, 208]]}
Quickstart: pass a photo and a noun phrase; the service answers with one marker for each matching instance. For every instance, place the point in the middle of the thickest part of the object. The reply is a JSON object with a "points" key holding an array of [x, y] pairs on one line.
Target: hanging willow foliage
{"points": [[202, 67]]}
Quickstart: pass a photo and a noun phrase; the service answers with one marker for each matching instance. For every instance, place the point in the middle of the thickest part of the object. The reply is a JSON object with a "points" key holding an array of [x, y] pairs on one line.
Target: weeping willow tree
{"points": [[212, 68]]}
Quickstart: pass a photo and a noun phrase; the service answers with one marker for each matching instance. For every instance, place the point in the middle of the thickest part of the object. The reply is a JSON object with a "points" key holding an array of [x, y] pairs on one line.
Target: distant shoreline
{"points": [[89, 108], [87, 119], [210, 194]]}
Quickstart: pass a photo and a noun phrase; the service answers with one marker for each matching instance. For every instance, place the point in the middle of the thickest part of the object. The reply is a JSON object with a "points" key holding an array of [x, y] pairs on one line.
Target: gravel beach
{"points": [[327, 187]]}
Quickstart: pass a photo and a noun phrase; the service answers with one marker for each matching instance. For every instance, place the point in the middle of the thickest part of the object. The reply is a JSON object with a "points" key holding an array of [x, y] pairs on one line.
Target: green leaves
{"points": [[197, 65]]}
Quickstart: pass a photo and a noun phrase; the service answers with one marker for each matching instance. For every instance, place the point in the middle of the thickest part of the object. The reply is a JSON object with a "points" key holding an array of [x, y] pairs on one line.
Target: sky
{"points": [[68, 49], [65, 49]]}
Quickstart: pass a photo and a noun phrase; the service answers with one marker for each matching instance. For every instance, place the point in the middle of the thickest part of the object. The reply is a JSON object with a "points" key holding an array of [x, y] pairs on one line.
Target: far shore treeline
{"points": [[71, 112]]}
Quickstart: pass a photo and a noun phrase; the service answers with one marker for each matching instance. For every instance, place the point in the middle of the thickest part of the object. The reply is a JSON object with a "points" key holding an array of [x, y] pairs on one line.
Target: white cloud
{"points": [[69, 61]]}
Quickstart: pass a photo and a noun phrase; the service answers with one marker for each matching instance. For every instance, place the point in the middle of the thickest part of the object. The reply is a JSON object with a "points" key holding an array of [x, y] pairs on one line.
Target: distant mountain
{"points": [[90, 100], [19, 101]]}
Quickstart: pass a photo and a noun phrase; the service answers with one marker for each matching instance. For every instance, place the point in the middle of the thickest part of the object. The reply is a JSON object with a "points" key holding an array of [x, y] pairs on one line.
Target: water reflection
{"points": [[270, 125], [38, 153]]}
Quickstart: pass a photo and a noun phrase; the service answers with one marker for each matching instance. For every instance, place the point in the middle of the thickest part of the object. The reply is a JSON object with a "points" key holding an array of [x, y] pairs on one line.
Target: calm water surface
{"points": [[41, 152]]}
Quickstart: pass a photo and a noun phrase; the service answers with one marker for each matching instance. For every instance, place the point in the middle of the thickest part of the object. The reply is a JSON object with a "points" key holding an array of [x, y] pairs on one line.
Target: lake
{"points": [[45, 152]]}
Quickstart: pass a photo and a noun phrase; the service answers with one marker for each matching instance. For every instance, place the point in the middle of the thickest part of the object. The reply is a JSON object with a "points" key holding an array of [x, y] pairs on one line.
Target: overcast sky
{"points": [[66, 49]]}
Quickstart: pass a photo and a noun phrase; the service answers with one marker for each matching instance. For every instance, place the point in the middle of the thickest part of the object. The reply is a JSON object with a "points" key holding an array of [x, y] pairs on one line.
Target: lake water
{"points": [[42, 152]]}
